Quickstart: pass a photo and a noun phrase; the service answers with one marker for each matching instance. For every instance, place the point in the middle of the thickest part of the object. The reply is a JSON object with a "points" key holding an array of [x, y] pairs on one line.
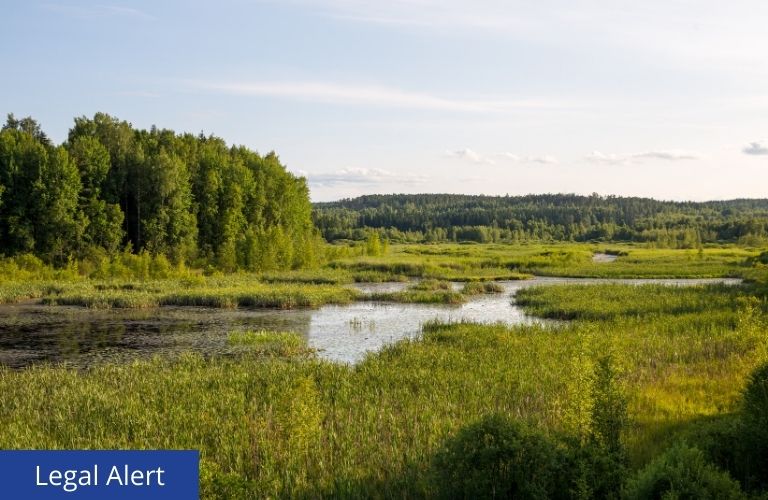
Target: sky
{"points": [[659, 98]]}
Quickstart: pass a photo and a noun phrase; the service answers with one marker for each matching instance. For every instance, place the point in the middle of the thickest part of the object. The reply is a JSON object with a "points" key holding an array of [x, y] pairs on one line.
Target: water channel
{"points": [[32, 333]]}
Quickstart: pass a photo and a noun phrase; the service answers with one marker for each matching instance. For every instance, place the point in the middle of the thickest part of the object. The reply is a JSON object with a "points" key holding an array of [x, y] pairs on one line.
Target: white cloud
{"points": [[373, 95], [666, 155], [755, 149], [364, 176], [712, 36], [544, 159], [598, 157], [475, 157], [470, 155], [510, 156], [618, 159]]}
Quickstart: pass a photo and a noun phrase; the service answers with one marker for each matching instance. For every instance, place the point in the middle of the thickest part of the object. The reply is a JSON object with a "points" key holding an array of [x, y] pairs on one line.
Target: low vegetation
{"points": [[633, 391]]}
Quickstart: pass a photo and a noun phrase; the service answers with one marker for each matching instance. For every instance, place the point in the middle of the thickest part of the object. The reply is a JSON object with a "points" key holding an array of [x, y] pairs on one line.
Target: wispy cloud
{"points": [[363, 176], [618, 159], [372, 95], [714, 36], [666, 155], [755, 149], [470, 156], [510, 156], [473, 156], [544, 159], [98, 11]]}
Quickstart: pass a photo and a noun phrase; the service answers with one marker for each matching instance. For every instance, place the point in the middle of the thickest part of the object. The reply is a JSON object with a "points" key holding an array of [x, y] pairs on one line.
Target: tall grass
{"points": [[271, 426], [255, 295], [273, 421], [499, 261]]}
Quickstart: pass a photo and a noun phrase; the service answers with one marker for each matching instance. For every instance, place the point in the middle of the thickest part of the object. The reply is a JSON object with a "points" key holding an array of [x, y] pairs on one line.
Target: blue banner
{"points": [[100, 474]]}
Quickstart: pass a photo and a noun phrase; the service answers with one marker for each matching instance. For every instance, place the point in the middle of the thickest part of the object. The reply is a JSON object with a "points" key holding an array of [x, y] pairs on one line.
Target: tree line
{"points": [[112, 188], [547, 217]]}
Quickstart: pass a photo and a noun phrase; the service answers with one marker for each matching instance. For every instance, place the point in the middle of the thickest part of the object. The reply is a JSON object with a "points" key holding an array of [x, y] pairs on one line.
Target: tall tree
{"points": [[103, 221]]}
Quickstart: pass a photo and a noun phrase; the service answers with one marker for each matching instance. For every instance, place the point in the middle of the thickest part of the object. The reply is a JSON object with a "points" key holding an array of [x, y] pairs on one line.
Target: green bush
{"points": [[588, 470], [755, 429], [721, 438], [682, 472], [497, 458]]}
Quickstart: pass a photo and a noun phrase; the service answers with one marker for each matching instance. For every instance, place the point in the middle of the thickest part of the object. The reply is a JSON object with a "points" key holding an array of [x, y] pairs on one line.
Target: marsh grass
{"points": [[431, 285], [285, 426], [272, 296], [229, 292], [268, 343], [607, 301], [481, 287], [277, 425], [418, 297], [456, 262], [13, 292], [377, 277], [429, 291], [316, 277]]}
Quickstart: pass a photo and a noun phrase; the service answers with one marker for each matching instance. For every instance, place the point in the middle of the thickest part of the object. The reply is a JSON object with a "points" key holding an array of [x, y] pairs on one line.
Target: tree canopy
{"points": [[110, 186], [561, 217]]}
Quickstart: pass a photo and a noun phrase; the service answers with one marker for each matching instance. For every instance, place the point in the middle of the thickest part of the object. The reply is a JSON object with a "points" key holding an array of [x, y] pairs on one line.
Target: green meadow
{"points": [[625, 391]]}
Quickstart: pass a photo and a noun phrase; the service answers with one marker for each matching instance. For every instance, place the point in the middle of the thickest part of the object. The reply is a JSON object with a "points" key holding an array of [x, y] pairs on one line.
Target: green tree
{"points": [[169, 224], [58, 222], [103, 221]]}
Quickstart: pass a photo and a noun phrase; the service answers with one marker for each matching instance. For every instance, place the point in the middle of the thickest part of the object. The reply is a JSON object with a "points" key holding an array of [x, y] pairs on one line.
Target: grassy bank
{"points": [[271, 424], [254, 295], [272, 420]]}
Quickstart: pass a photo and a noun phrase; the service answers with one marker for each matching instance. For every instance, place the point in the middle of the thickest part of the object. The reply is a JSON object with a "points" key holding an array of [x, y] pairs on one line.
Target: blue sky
{"points": [[667, 99]]}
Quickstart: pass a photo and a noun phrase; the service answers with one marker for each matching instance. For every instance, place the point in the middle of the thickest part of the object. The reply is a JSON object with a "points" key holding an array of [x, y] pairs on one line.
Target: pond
{"points": [[31, 334]]}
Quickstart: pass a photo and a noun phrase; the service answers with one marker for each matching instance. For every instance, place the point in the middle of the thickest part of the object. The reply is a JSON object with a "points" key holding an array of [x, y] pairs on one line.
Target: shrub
{"points": [[721, 440], [755, 433], [682, 472], [496, 458]]}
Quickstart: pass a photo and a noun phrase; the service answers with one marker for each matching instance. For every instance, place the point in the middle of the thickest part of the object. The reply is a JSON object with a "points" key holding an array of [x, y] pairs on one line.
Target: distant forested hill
{"points": [[566, 217], [113, 188]]}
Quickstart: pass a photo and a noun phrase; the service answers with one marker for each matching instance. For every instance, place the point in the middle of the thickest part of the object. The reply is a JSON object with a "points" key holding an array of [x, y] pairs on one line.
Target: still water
{"points": [[31, 334]]}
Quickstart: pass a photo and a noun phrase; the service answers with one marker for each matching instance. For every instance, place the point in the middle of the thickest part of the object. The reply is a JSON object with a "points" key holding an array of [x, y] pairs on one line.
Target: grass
{"points": [[229, 292], [267, 343], [273, 296], [316, 277], [419, 297], [608, 301], [500, 261], [275, 421], [271, 426], [14, 292], [686, 350], [433, 291], [481, 287]]}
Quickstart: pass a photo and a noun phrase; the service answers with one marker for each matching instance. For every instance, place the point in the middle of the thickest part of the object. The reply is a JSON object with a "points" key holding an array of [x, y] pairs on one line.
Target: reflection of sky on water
{"points": [[30, 333]]}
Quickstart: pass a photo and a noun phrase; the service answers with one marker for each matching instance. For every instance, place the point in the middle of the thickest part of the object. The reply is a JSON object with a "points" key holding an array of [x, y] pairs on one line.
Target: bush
{"points": [[756, 398], [497, 458], [755, 423], [588, 470], [721, 440], [682, 472]]}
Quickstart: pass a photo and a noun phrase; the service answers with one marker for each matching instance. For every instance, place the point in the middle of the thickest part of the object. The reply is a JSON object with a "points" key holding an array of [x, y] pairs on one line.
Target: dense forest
{"points": [[111, 188], [548, 217]]}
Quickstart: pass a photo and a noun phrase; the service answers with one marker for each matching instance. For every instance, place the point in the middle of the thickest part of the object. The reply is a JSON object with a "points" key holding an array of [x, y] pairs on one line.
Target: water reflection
{"points": [[31, 334]]}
